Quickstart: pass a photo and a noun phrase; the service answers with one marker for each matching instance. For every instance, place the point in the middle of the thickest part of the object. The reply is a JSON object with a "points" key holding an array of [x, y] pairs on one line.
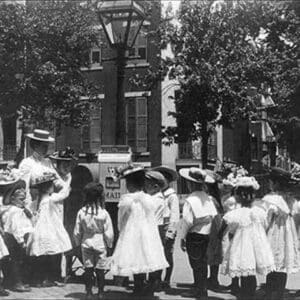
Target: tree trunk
{"points": [[20, 154], [204, 145]]}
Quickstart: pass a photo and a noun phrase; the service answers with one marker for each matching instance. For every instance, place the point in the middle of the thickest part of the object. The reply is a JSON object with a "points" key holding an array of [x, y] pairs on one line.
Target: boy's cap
{"points": [[156, 177]]}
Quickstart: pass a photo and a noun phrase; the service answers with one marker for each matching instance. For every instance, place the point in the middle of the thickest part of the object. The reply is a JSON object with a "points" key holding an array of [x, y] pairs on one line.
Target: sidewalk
{"points": [[182, 279]]}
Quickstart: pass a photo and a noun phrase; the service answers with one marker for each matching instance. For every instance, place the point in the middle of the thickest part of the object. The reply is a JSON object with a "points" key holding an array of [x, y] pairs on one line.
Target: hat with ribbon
{"points": [[196, 175], [9, 176], [169, 173], [236, 173], [67, 155], [247, 182], [44, 177], [41, 135]]}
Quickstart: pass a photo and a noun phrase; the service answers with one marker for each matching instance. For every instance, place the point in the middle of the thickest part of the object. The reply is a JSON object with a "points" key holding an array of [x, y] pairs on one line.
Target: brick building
{"points": [[143, 107]]}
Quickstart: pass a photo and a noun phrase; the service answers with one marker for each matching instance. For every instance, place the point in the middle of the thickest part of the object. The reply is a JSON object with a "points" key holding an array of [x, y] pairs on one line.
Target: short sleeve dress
{"points": [[249, 252], [49, 236]]}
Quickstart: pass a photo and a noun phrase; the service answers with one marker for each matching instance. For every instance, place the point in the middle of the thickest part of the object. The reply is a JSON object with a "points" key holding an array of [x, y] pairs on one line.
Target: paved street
{"points": [[182, 279]]}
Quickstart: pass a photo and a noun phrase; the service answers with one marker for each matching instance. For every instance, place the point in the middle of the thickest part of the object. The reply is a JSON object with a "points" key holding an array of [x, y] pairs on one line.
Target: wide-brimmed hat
{"points": [[44, 177], [217, 177], [130, 170], [232, 178], [157, 177], [41, 135], [66, 155], [20, 184], [170, 173], [196, 175], [9, 176], [283, 175]]}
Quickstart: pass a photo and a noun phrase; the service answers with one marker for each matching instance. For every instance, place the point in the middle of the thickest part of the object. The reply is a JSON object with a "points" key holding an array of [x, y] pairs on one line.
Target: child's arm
{"points": [[108, 231], [77, 233], [61, 195], [222, 229]]}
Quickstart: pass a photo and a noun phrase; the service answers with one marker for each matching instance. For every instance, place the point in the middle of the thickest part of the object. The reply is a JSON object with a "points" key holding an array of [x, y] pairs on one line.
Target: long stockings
{"points": [[248, 287], [275, 285]]}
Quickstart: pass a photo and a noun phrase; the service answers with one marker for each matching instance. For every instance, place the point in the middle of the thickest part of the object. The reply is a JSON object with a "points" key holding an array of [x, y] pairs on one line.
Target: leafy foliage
{"points": [[221, 50], [43, 46]]}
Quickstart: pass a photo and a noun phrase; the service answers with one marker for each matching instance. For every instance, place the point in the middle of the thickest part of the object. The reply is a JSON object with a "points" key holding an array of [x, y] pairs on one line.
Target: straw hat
{"points": [[196, 175], [67, 155], [45, 177], [247, 182], [170, 173], [41, 135], [20, 184], [9, 176]]}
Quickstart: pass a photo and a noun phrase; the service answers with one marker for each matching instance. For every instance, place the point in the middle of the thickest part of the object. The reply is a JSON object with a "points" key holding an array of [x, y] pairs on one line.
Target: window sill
{"points": [[99, 68], [137, 65]]}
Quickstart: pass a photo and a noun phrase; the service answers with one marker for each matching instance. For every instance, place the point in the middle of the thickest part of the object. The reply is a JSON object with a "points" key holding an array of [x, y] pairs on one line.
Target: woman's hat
{"points": [[41, 135], [67, 155], [247, 182], [130, 170], [20, 184], [232, 178], [45, 177], [9, 176], [196, 175], [217, 177], [170, 173], [157, 177], [284, 175]]}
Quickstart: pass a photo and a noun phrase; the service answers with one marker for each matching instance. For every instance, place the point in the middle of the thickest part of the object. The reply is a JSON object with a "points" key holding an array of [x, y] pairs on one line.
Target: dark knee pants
{"points": [[15, 264], [196, 246], [168, 245]]}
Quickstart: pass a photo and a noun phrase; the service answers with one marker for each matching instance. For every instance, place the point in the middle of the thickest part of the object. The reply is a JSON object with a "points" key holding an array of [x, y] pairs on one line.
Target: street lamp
{"points": [[121, 21]]}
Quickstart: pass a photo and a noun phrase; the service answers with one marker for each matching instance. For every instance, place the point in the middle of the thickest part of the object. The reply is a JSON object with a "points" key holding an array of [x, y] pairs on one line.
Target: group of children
{"points": [[255, 236], [223, 226]]}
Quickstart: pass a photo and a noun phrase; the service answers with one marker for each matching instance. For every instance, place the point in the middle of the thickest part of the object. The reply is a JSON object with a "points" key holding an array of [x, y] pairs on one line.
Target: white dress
{"points": [[16, 223], [249, 252], [3, 248], [49, 236], [282, 234], [139, 248]]}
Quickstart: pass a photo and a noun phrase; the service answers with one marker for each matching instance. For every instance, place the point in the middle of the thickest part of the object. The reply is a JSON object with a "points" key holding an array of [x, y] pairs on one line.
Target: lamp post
{"points": [[121, 21]]}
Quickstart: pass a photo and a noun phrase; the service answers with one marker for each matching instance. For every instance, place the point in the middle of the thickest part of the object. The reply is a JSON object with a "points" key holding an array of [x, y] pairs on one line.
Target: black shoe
{"points": [[89, 295], [3, 292], [48, 283], [195, 293]]}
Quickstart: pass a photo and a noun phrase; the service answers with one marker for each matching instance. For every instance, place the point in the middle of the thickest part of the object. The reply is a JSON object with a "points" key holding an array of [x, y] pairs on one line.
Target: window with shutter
{"points": [[138, 52], [137, 124]]}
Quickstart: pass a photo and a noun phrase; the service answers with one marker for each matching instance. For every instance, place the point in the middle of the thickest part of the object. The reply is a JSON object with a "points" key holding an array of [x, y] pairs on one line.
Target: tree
{"points": [[222, 49], [43, 46]]}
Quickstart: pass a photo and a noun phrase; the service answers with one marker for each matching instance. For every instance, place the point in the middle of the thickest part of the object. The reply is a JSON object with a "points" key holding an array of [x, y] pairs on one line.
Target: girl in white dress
{"points": [[139, 249], [249, 253], [282, 232], [49, 236], [64, 161]]}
